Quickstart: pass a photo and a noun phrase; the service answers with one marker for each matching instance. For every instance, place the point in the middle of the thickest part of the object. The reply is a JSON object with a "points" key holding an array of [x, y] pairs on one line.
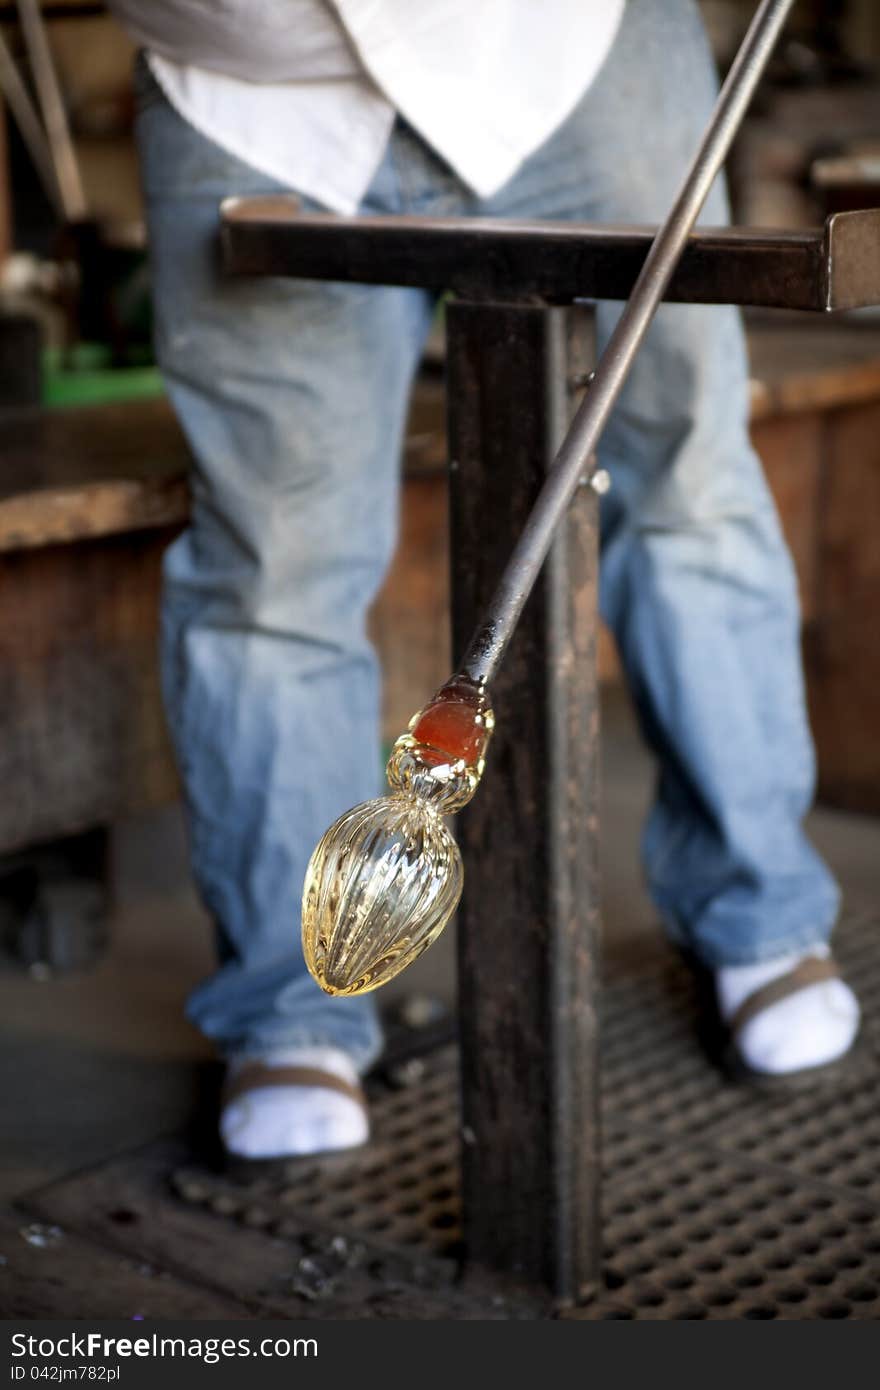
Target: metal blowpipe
{"points": [[386, 877]]}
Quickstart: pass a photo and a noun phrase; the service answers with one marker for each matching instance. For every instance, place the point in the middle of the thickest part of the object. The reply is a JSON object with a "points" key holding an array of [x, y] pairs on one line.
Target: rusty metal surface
{"points": [[47, 1272], [528, 922], [256, 1245], [832, 267], [707, 1239], [852, 259], [719, 1202]]}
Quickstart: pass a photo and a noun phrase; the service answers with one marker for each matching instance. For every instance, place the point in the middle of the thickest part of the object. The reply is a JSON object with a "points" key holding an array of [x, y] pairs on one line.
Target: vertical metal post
{"points": [[528, 924]]}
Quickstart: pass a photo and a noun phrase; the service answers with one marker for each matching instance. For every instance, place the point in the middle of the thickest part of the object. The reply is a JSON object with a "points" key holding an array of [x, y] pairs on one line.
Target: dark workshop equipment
{"points": [[529, 1016]]}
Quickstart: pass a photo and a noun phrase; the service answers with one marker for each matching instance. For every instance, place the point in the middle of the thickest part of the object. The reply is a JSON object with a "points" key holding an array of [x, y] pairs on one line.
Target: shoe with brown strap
{"points": [[812, 970], [276, 1112]]}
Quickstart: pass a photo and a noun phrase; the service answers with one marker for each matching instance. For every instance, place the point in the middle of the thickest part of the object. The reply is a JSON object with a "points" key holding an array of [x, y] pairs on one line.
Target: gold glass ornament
{"points": [[387, 876]]}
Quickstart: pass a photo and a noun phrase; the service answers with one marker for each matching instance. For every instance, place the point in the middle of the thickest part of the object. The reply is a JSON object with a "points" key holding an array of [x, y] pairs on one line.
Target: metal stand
{"points": [[529, 920], [528, 961]]}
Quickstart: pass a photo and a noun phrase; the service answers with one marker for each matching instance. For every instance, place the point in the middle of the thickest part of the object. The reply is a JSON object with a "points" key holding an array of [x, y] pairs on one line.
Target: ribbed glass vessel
{"points": [[386, 877]]}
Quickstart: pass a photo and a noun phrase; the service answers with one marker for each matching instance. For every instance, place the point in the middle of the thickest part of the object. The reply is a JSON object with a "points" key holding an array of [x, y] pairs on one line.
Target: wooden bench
{"points": [[816, 425], [89, 498]]}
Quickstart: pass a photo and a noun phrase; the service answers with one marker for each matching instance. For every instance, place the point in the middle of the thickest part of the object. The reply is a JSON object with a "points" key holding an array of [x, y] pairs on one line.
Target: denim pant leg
{"points": [[293, 397], [697, 583]]}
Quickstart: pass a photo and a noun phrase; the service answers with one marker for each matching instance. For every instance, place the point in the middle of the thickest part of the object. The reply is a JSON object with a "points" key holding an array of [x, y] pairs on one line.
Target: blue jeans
{"points": [[293, 397]]}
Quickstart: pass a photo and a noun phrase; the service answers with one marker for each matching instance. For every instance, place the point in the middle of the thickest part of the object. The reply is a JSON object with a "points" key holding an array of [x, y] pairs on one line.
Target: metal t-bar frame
{"points": [[528, 925], [482, 259]]}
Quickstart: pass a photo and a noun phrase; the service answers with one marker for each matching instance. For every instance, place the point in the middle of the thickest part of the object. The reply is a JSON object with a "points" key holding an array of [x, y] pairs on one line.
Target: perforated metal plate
{"points": [[704, 1237], [719, 1202], [402, 1191]]}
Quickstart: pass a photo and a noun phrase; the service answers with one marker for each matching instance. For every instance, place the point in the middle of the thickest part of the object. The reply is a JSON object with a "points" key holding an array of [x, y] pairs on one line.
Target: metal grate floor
{"points": [[719, 1202], [401, 1191]]}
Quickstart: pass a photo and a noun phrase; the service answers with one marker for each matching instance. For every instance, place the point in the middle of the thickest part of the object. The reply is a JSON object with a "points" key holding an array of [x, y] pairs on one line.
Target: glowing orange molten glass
{"points": [[453, 726]]}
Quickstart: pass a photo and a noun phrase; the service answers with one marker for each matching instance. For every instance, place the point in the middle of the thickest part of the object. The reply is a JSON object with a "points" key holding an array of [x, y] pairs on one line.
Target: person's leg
{"points": [[697, 583], [293, 398]]}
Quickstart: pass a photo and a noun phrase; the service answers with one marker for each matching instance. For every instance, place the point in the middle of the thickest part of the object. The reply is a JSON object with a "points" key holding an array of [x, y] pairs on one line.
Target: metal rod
{"points": [[54, 116], [489, 642], [17, 97]]}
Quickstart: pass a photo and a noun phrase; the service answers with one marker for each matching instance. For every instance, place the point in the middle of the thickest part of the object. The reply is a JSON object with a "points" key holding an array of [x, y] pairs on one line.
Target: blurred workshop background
{"points": [[100, 933]]}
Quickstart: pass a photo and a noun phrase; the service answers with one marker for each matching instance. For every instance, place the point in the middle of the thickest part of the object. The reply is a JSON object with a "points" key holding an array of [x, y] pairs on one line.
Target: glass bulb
{"points": [[386, 877]]}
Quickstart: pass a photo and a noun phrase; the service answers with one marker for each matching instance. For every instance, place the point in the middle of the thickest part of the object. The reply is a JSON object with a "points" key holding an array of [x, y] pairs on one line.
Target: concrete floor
{"points": [[102, 1061]]}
